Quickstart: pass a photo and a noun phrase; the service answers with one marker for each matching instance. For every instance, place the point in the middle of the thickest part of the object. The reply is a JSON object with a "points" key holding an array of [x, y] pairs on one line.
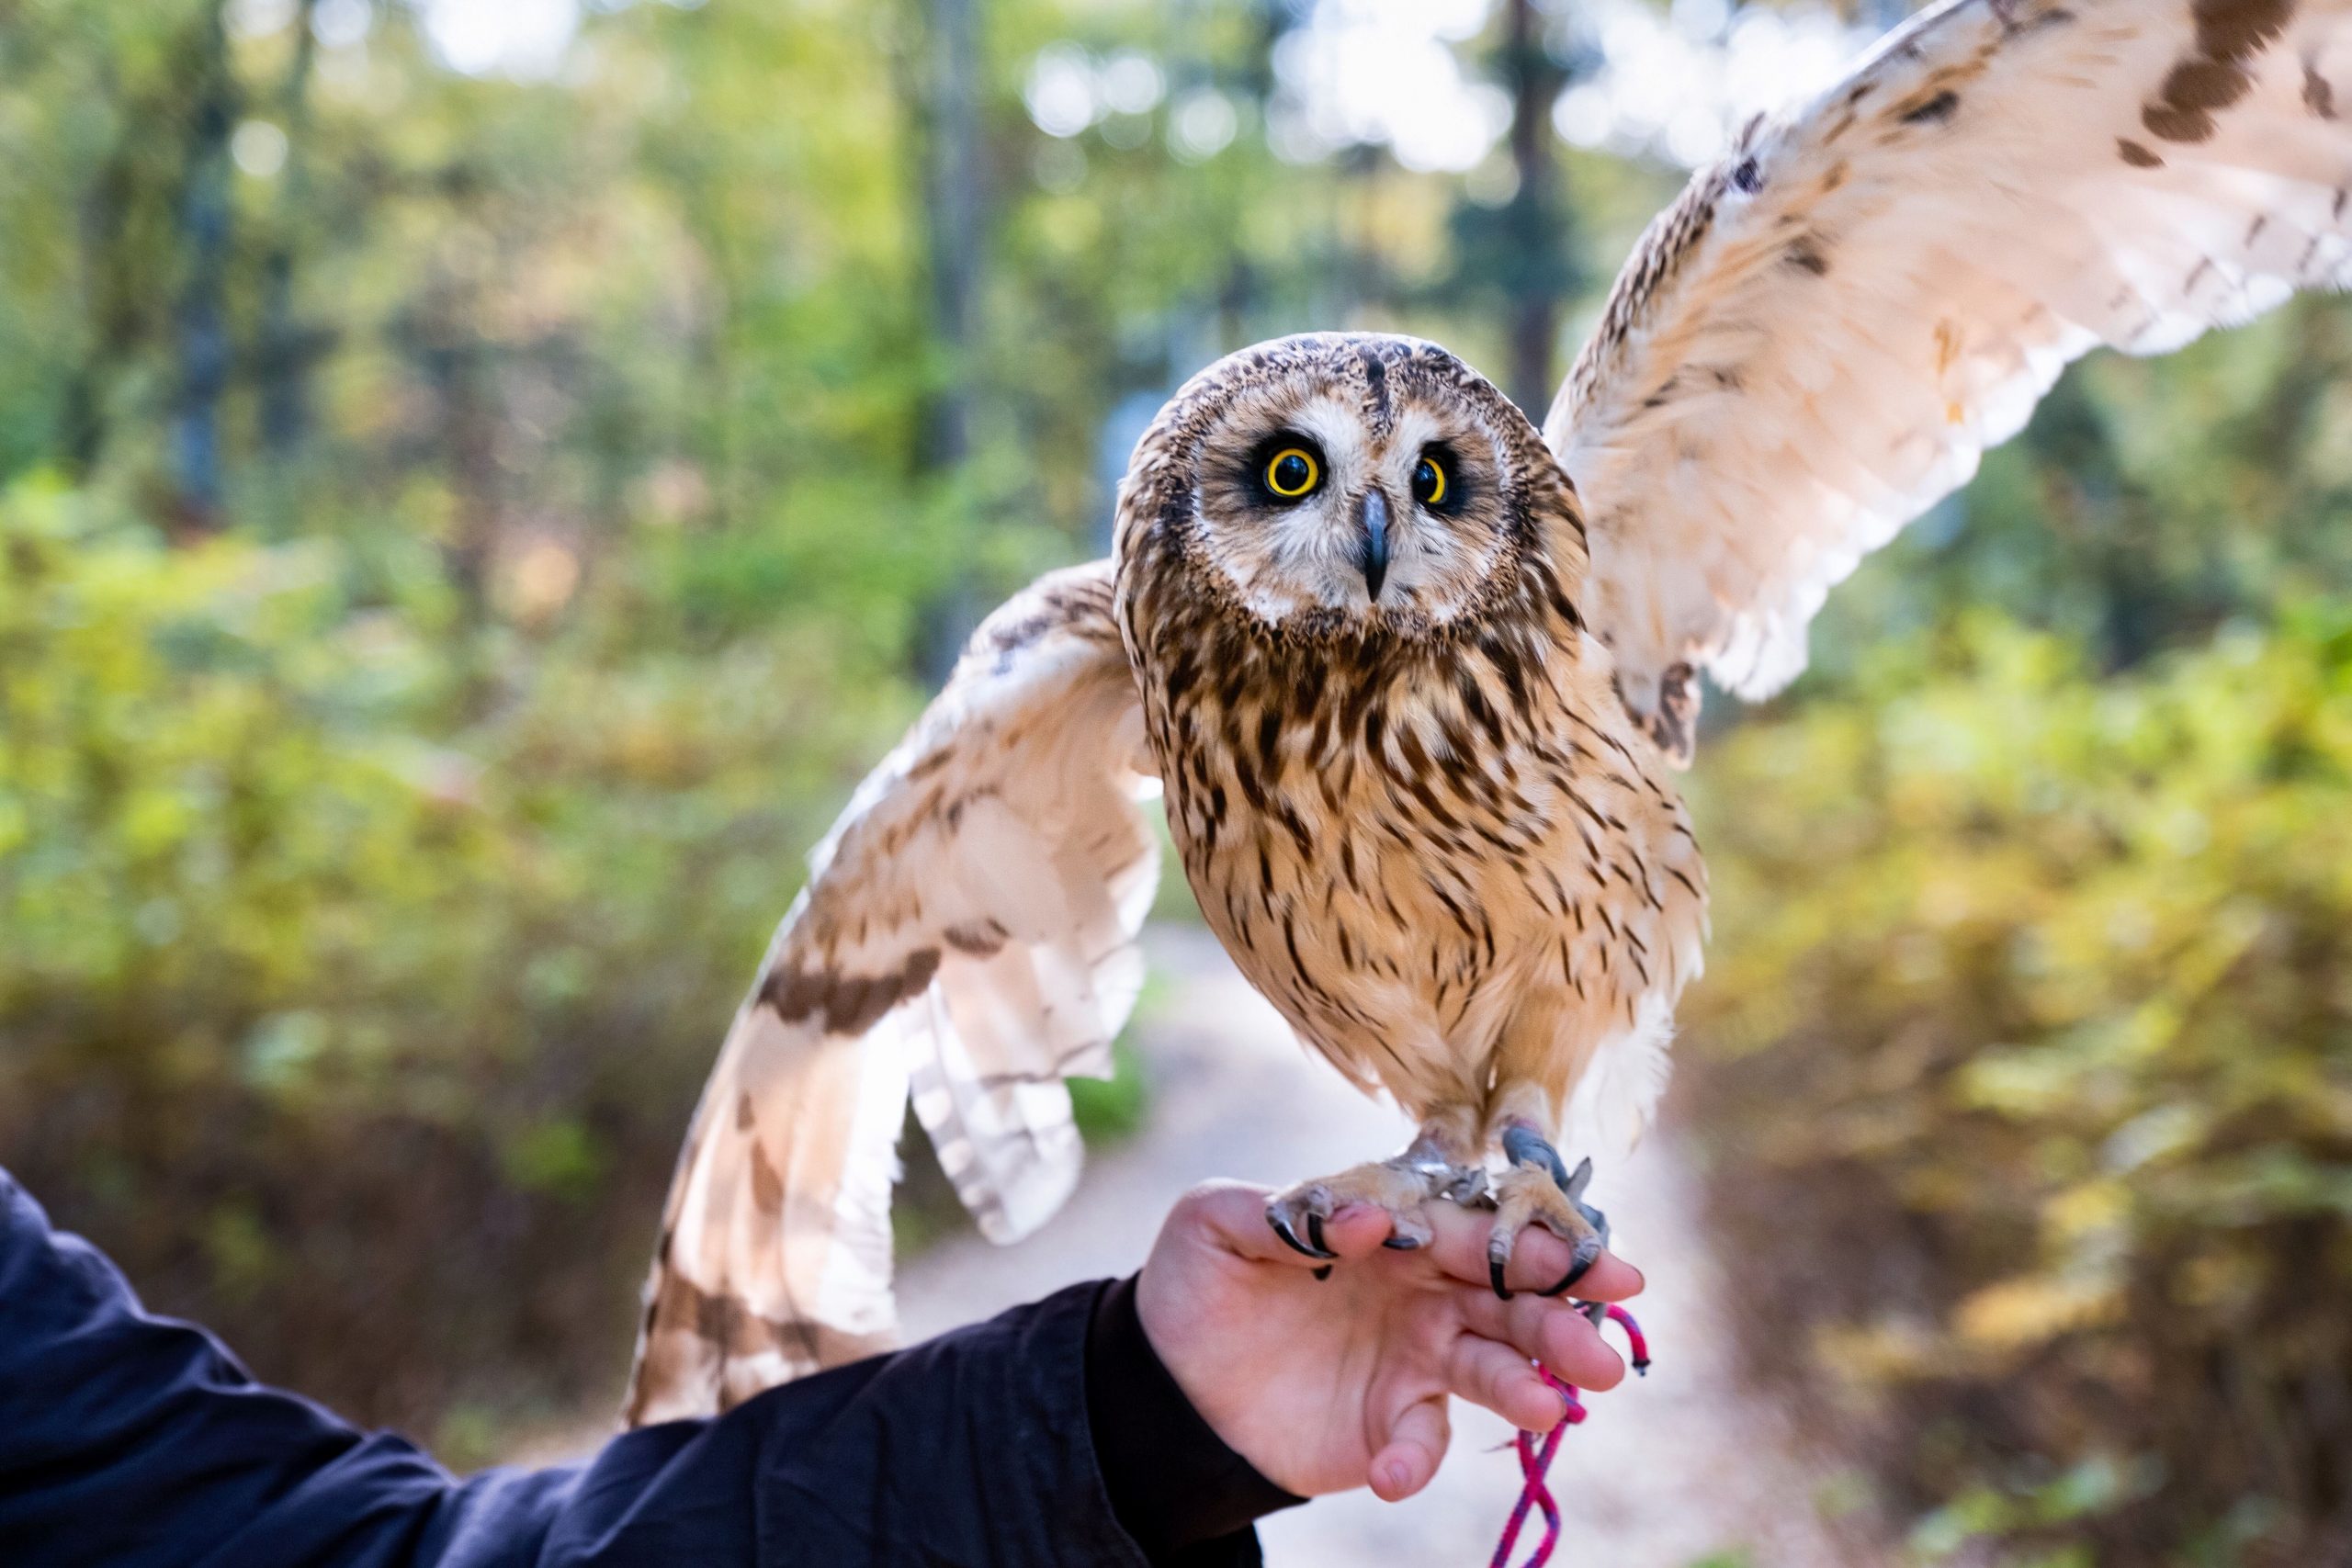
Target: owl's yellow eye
{"points": [[1293, 472], [1429, 483]]}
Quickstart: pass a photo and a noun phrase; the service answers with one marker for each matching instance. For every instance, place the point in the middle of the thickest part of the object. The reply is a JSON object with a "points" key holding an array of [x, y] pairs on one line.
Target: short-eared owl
{"points": [[1412, 695]]}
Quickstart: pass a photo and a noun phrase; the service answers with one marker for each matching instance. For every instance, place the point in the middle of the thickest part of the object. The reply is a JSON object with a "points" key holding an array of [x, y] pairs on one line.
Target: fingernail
{"points": [[1392, 1476]]}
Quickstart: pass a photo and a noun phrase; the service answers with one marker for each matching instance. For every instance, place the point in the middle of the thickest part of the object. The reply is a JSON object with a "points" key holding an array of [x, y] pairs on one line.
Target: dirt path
{"points": [[1676, 1471]]}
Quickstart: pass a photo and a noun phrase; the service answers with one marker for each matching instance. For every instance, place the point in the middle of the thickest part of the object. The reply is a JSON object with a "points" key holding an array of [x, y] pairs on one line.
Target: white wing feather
{"points": [[1823, 335], [966, 937]]}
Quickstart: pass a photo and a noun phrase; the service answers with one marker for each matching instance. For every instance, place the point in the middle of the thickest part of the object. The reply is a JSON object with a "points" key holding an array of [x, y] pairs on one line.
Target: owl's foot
{"points": [[1539, 1189], [1397, 1187]]}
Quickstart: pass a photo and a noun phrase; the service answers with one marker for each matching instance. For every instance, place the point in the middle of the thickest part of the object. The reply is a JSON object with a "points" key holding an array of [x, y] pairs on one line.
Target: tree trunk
{"points": [[110, 312], [952, 208], [201, 332], [1535, 222], [954, 225], [456, 363], [285, 350]]}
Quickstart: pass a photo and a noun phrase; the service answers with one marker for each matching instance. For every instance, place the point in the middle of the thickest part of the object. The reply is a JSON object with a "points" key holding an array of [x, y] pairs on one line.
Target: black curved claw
{"points": [[1314, 1234], [1495, 1274], [1290, 1238], [1586, 1253], [1401, 1244], [1322, 1273]]}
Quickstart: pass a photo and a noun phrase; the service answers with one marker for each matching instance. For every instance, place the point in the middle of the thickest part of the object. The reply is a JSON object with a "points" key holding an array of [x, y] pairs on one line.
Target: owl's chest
{"points": [[1372, 852]]}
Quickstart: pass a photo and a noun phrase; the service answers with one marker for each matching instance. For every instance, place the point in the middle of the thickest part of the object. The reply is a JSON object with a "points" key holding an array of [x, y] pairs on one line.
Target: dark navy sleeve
{"points": [[136, 1442]]}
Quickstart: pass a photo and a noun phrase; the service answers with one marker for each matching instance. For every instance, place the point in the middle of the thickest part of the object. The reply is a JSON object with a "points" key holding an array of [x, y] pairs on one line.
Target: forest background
{"points": [[480, 483]]}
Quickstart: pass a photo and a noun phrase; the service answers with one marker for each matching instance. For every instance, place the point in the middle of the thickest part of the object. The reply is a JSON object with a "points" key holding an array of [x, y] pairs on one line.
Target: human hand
{"points": [[1325, 1385]]}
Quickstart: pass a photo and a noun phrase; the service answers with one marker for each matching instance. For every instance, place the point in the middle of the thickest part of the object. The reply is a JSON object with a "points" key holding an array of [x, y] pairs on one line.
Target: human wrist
{"points": [[1173, 1479]]}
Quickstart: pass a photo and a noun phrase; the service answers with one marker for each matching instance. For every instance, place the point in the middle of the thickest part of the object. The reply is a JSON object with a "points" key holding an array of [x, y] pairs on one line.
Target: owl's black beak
{"points": [[1373, 517]]}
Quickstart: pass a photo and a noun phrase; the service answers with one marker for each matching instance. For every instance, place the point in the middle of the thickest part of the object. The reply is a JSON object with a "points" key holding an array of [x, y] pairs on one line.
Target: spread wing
{"points": [[1829, 327], [966, 936]]}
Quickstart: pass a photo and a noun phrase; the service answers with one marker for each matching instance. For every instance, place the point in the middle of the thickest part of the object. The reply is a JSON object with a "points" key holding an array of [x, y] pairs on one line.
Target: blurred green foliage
{"points": [[323, 1006], [462, 536], [2023, 1059], [2026, 1079]]}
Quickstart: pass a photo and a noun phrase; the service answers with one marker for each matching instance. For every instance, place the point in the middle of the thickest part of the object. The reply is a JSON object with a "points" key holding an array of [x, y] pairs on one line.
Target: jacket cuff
{"points": [[1174, 1485]]}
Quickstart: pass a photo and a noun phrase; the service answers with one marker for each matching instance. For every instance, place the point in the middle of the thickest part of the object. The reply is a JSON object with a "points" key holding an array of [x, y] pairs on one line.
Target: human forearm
{"points": [[130, 1439]]}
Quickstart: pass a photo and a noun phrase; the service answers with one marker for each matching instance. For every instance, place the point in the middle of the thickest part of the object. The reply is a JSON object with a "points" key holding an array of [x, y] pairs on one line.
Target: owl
{"points": [[1414, 679]]}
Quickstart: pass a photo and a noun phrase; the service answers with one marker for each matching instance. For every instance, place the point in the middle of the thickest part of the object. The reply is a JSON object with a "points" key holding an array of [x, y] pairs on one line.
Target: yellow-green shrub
{"points": [[356, 974], [2024, 1068]]}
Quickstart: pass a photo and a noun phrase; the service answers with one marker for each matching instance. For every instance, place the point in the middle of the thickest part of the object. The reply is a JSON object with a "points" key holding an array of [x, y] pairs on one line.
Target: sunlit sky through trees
{"points": [[1673, 82]]}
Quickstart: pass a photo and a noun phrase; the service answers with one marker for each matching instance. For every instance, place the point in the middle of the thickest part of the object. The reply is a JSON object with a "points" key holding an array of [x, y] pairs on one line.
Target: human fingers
{"points": [[1491, 1373], [1232, 1216], [1410, 1458], [1552, 1332], [1538, 1261]]}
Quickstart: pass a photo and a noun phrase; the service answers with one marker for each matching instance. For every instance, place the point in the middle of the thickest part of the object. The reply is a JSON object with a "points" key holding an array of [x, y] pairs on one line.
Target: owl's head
{"points": [[1334, 484]]}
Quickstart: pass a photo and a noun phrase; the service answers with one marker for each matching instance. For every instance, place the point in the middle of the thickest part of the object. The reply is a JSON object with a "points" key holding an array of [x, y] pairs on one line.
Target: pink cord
{"points": [[1536, 1458], [1640, 1347]]}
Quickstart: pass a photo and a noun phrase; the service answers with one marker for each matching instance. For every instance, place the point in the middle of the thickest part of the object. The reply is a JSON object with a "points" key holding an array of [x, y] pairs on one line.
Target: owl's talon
{"points": [[1400, 1187], [1275, 1218], [1539, 1189], [1588, 1253], [1324, 1272]]}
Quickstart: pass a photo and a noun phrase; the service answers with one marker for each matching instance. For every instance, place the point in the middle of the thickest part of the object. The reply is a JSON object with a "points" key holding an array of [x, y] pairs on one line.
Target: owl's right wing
{"points": [[967, 935], [1823, 335]]}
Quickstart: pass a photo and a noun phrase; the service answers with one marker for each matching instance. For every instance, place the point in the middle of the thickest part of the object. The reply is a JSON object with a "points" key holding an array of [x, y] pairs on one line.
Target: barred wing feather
{"points": [[967, 938], [1821, 336]]}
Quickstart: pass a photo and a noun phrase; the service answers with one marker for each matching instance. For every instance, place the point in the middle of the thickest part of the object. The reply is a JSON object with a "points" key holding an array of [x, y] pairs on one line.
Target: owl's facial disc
{"points": [[1330, 498]]}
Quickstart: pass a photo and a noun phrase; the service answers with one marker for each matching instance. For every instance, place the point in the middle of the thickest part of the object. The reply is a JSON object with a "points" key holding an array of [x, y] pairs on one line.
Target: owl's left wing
{"points": [[1821, 336], [967, 937]]}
